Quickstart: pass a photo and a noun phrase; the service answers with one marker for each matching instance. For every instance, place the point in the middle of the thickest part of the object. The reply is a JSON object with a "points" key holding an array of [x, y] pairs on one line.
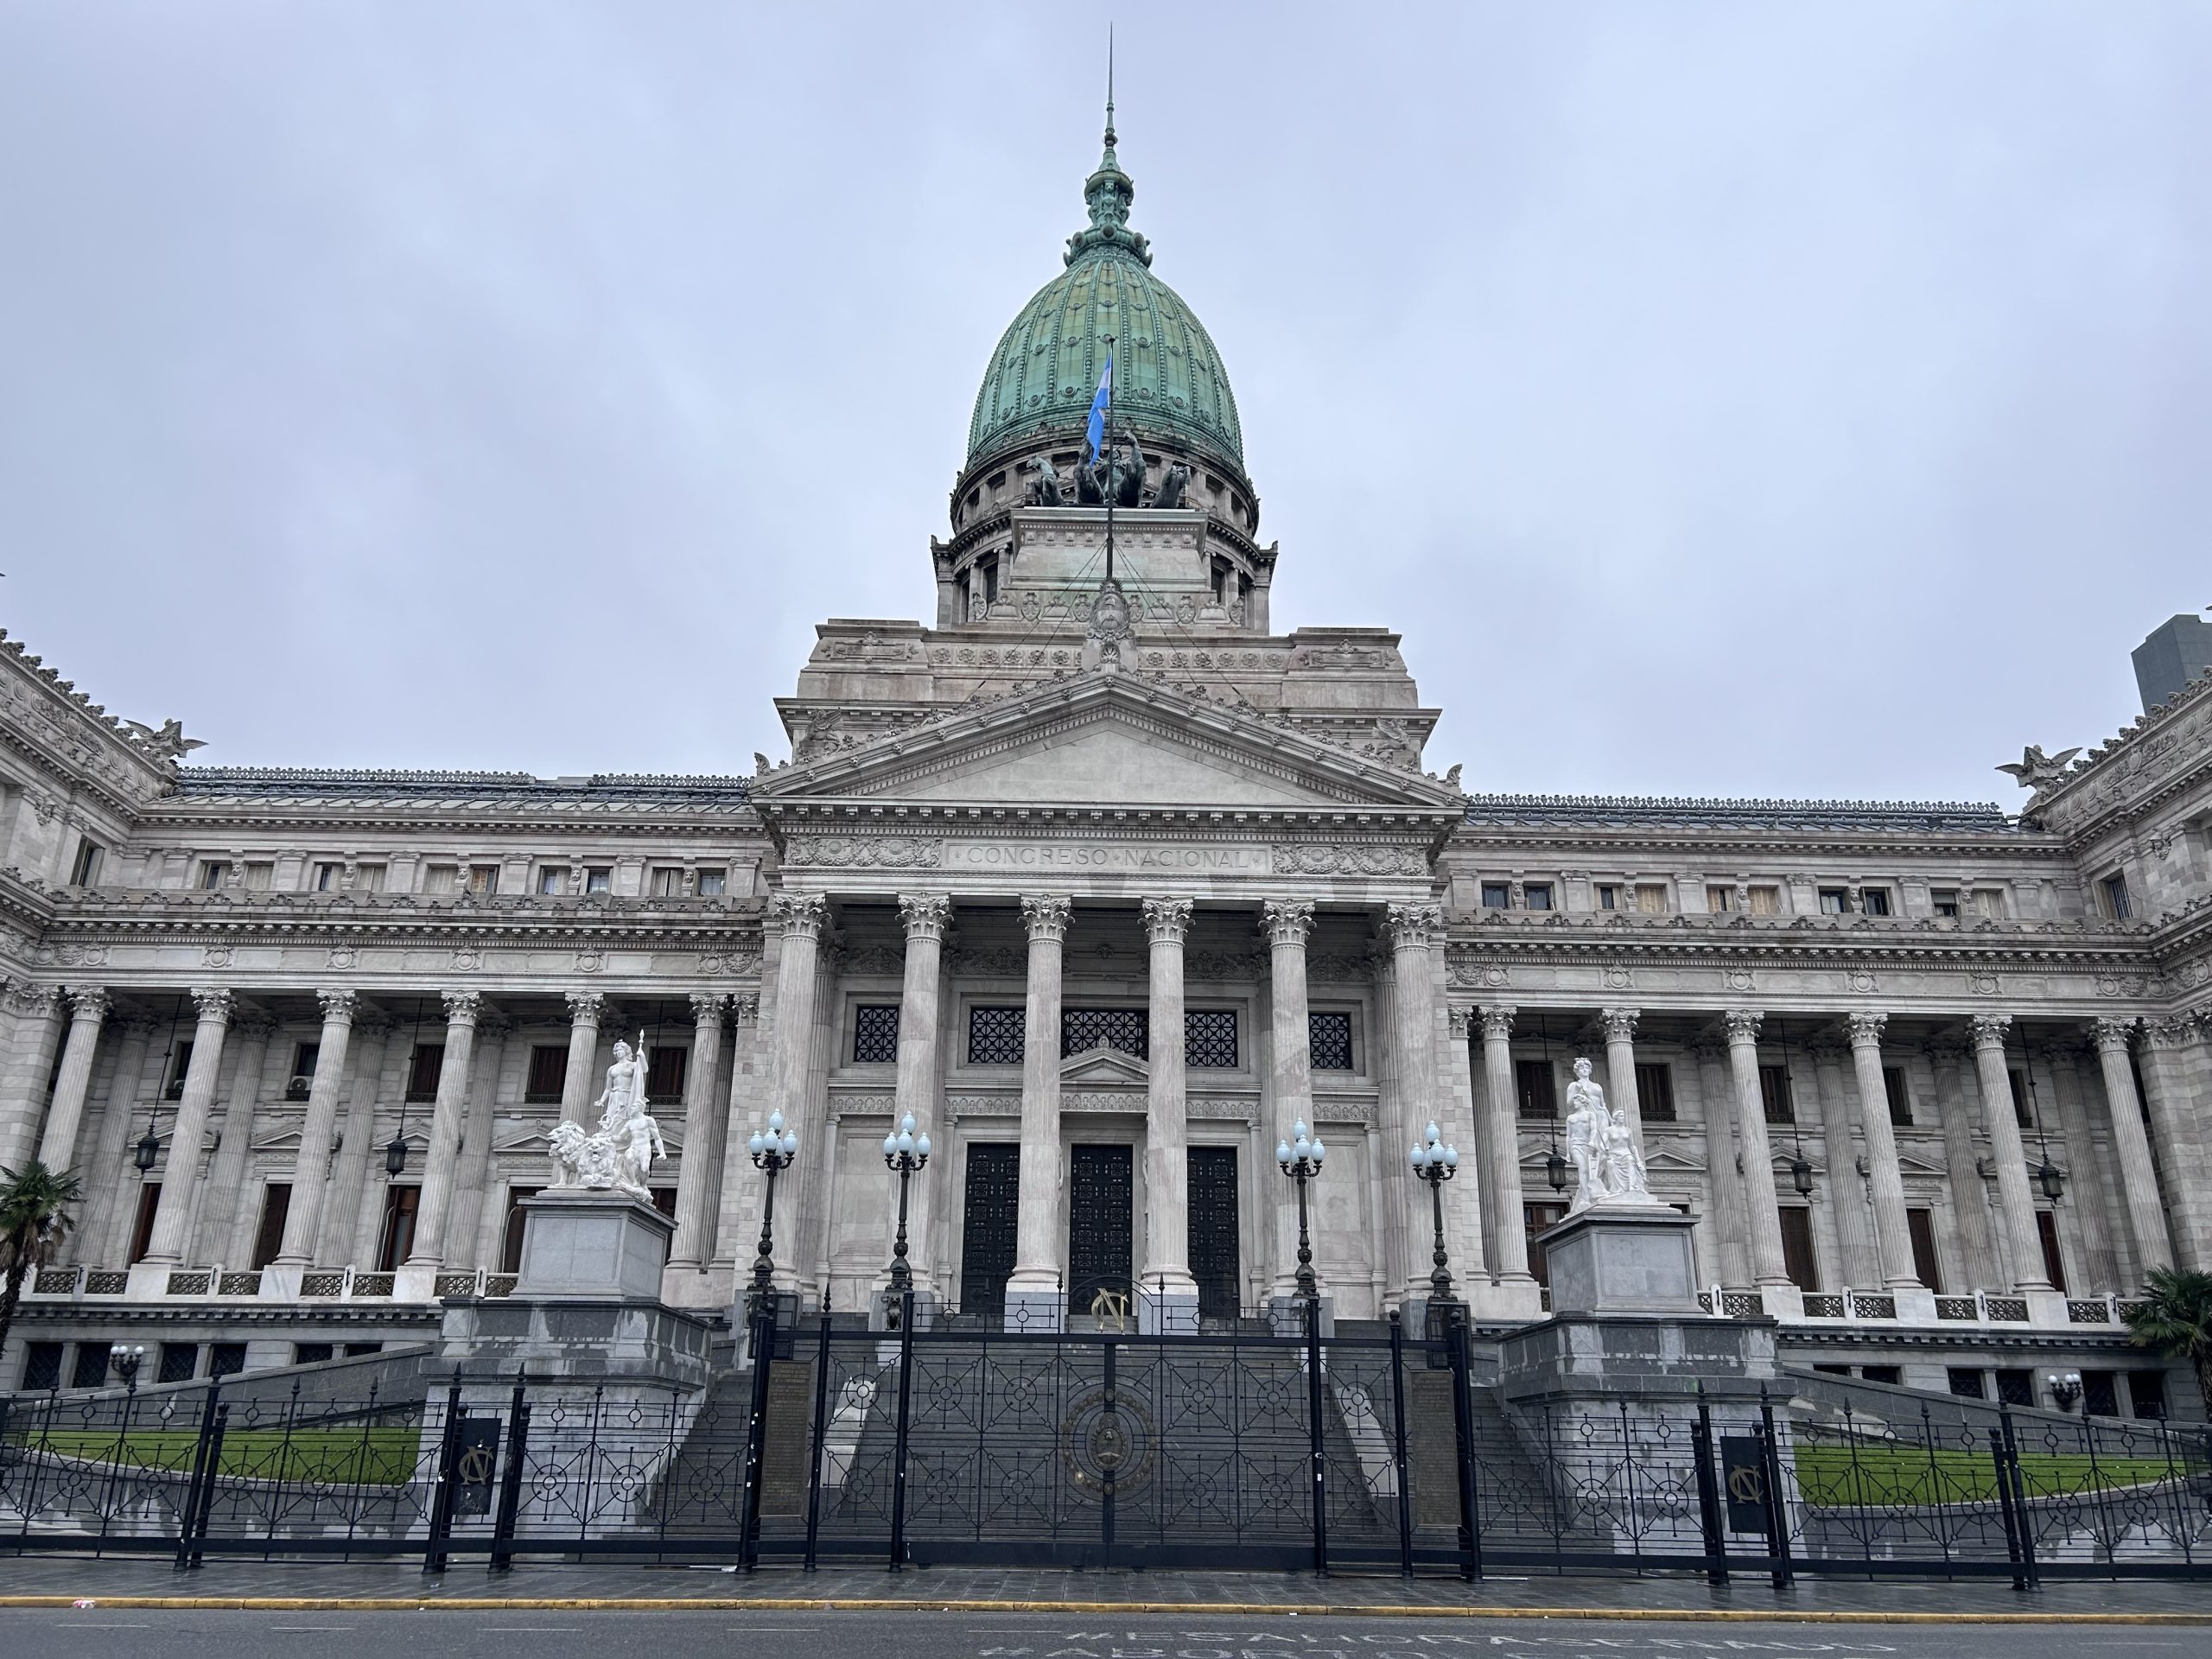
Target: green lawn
{"points": [[374, 1456], [1839, 1476]]}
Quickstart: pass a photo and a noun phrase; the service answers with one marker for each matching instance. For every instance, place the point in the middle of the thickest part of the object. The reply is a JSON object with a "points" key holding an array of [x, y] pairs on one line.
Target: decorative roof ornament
{"points": [[1108, 192], [2037, 770]]}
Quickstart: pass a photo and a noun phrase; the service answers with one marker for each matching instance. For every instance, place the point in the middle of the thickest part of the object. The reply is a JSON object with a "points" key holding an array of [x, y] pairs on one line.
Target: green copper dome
{"points": [[1168, 380]]}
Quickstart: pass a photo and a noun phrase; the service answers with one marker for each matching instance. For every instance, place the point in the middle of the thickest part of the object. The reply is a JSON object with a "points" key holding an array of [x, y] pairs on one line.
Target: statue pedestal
{"points": [[1622, 1259], [598, 1244]]}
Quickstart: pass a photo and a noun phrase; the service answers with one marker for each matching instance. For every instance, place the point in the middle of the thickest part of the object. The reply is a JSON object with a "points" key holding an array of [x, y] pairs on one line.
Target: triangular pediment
{"points": [[1107, 740], [1096, 1067]]}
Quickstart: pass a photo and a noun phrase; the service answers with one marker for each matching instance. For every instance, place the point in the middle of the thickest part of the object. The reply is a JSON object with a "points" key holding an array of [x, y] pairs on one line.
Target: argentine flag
{"points": [[1095, 433]]}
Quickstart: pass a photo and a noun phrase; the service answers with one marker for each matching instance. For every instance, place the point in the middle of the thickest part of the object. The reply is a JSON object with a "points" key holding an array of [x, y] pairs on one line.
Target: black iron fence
{"points": [[1362, 1453]]}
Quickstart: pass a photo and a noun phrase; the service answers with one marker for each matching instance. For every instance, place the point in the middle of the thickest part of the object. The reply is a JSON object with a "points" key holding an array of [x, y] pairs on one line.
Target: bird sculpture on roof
{"points": [[2035, 770], [170, 743]]}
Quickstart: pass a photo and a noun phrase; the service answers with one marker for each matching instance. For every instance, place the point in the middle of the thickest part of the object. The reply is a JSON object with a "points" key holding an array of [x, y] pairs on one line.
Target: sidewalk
{"points": [[55, 1580]]}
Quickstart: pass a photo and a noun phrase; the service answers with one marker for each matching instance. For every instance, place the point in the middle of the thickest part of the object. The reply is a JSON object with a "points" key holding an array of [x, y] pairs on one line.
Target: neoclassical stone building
{"points": [[1107, 883]]}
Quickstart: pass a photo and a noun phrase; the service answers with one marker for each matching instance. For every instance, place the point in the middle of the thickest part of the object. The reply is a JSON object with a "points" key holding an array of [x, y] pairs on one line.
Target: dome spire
{"points": [[1108, 192], [1110, 161]]}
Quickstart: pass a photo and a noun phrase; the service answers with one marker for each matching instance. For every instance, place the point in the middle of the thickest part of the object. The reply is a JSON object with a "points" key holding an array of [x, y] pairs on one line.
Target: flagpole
{"points": [[1106, 438]]}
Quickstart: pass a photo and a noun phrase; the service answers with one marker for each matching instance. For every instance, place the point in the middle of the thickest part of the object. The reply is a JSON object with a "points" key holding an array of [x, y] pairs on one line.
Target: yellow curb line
{"points": [[1274, 1610]]}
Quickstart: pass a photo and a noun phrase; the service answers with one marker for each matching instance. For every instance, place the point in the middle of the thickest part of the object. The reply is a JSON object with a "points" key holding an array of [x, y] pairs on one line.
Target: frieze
{"points": [[741, 964], [1329, 858], [865, 852], [1164, 858]]}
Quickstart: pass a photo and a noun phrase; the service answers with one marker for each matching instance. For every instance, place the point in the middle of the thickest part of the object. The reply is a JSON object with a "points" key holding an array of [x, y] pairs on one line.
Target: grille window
{"points": [[1655, 1092], [1209, 1037], [1083, 1029], [1775, 1096], [1329, 1036], [875, 1035], [996, 1036]]}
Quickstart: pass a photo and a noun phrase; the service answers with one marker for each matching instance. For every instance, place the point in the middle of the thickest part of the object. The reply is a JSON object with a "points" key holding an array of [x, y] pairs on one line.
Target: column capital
{"points": [[1496, 1022], [2114, 1036], [370, 1020], [24, 997], [463, 1008], [1989, 1030], [1619, 1024], [137, 1023], [745, 1008], [2175, 1031], [220, 1006], [254, 1024], [587, 1008], [1867, 1029], [800, 912], [1287, 921], [1742, 1024], [1462, 1021], [1414, 927], [707, 1007], [925, 914], [1046, 919], [90, 1002], [1166, 921], [339, 1006]]}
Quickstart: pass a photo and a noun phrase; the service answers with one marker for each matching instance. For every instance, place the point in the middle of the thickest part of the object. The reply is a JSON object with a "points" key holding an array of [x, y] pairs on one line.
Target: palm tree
{"points": [[2175, 1319], [34, 1220]]}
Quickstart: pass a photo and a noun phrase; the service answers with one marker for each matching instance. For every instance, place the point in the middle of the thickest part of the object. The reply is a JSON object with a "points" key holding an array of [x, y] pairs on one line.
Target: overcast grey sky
{"points": [[1743, 399]]}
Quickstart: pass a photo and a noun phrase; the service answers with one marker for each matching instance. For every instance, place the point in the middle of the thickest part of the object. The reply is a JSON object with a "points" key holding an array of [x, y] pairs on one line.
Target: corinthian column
{"points": [[462, 1008], [927, 916], [698, 1172], [1414, 931], [1620, 1068], [1892, 1237], [586, 1008], [57, 1147], [1767, 1267], [173, 1213], [2015, 1203], [1501, 1152], [2131, 1146], [800, 918], [2176, 1105], [1168, 1294], [311, 1169], [1034, 1300], [1291, 1073]]}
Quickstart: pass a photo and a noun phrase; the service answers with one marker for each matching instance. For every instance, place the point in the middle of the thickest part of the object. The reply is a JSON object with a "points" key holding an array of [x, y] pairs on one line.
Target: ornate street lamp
{"points": [[2065, 1387], [772, 1153], [395, 1154], [2049, 1176], [904, 1153], [1301, 1158], [127, 1357], [1555, 1171], [1436, 1163], [148, 1149]]}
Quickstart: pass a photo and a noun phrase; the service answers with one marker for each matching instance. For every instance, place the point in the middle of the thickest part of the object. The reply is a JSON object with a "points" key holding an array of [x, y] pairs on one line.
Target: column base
{"points": [[1168, 1310], [280, 1281], [1916, 1304], [2046, 1307], [1036, 1309], [1288, 1315], [415, 1281], [149, 1280], [1783, 1301], [1518, 1298]]}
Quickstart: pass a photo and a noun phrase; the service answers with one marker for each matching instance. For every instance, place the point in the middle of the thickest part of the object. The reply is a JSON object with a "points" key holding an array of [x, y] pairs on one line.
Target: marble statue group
{"points": [[1608, 1168], [619, 1154]]}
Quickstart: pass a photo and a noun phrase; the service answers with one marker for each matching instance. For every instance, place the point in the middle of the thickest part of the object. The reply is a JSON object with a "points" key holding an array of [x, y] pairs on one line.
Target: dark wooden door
{"points": [[1212, 1230], [1102, 1190], [1798, 1260], [1921, 1223], [2054, 1260], [986, 1223]]}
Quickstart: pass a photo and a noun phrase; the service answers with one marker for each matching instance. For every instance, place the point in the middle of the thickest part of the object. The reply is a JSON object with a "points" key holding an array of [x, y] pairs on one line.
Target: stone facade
{"points": [[1105, 883]]}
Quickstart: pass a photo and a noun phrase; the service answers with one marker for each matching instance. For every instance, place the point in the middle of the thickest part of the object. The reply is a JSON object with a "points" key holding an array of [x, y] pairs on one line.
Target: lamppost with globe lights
{"points": [[1301, 1158], [1436, 1163], [904, 1153], [773, 1153], [127, 1357]]}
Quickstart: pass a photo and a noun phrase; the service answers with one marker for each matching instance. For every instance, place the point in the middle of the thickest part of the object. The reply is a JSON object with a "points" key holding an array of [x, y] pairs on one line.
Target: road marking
{"points": [[98, 1625], [533, 1629], [317, 1629]]}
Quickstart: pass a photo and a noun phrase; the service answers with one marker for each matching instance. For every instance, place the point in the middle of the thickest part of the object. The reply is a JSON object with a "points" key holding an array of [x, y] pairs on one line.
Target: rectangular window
{"points": [[1900, 1097], [510, 1240], [142, 1227], [1798, 1260], [1209, 1037], [180, 1063], [483, 880], [2146, 1393], [1719, 900], [368, 877], [1989, 903], [91, 1370], [549, 1074], [2021, 1113], [269, 1237], [1655, 1091], [666, 882], [1927, 1266], [83, 873], [422, 1069], [300, 1084], [1609, 896], [179, 1362], [666, 1066], [599, 877], [2015, 1387], [1766, 901], [1965, 1383], [213, 872], [996, 1036], [875, 1034], [310, 1353], [1875, 900], [225, 1358], [260, 875], [2118, 905], [1775, 1094], [552, 880], [1835, 901], [1651, 898], [1890, 1373], [1536, 1219], [1328, 1036], [1496, 895], [441, 878], [42, 1360], [1538, 895], [2100, 1398], [2054, 1260], [397, 1236], [1122, 1029], [327, 877], [713, 884], [1944, 901], [1537, 1089]]}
